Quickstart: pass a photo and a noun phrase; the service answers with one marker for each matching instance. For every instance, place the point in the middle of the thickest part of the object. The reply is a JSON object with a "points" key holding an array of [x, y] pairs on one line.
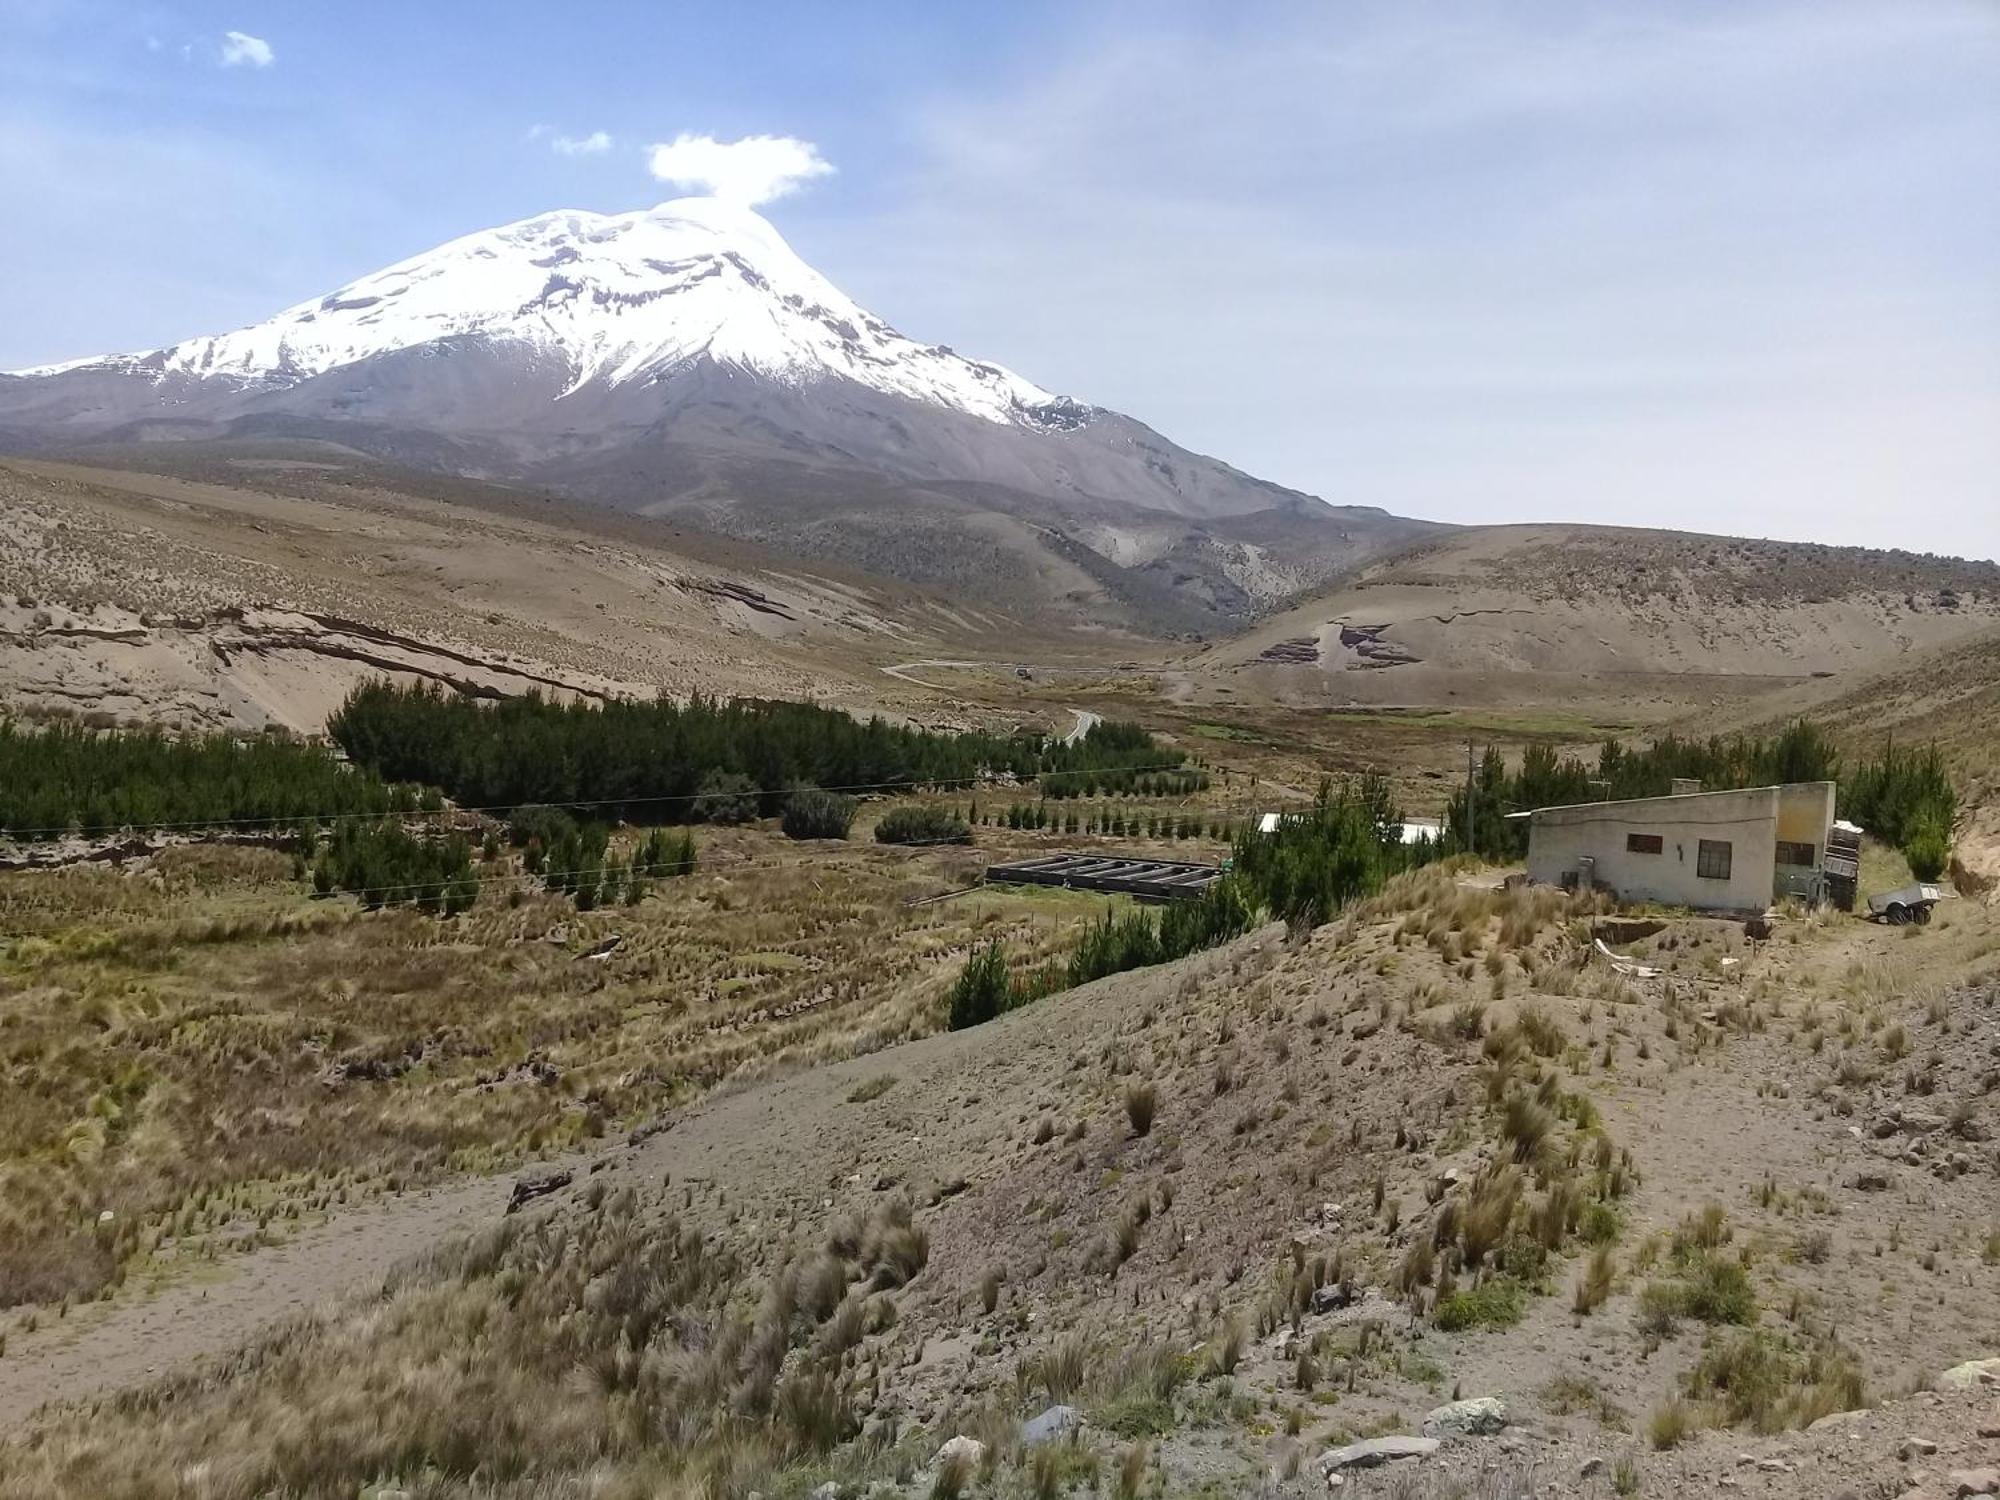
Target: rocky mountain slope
{"points": [[1652, 621], [684, 360], [131, 598]]}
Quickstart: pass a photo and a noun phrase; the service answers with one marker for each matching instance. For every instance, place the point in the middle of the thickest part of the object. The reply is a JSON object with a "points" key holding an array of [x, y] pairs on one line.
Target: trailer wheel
{"points": [[1898, 915], [1923, 914]]}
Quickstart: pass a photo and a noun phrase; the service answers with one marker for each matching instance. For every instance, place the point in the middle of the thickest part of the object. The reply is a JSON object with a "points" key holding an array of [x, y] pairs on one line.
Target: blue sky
{"points": [[1731, 267]]}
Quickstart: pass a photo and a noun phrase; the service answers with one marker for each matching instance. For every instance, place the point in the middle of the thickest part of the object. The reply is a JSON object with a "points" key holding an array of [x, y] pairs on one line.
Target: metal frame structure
{"points": [[1125, 874]]}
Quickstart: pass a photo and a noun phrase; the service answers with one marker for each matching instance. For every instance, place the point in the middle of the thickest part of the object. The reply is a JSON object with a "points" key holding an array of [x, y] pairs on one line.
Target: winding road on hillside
{"points": [[906, 672]]}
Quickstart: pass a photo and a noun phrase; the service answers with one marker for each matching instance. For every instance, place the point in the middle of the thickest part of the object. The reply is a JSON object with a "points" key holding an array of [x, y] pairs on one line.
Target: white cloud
{"points": [[242, 50], [753, 170], [594, 144]]}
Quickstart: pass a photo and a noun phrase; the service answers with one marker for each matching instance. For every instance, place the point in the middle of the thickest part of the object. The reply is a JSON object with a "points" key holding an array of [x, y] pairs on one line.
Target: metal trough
{"points": [[1125, 874]]}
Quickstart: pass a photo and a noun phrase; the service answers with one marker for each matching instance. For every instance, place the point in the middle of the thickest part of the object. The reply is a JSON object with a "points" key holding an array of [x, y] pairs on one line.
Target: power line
{"points": [[939, 783], [725, 859]]}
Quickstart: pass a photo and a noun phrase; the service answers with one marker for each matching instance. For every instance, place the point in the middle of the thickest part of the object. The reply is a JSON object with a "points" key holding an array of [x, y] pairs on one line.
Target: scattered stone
{"points": [[968, 1450], [1476, 1417], [532, 1185], [1990, 1427], [1773, 1466], [1974, 1372], [1590, 1466], [1373, 1451], [828, 1491], [1055, 1423], [1837, 1419], [1916, 1447], [1965, 1482], [1871, 1182], [1332, 1297]]}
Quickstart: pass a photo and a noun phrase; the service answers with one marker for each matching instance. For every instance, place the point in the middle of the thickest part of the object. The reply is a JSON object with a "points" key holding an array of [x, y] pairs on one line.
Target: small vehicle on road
{"points": [[1905, 904]]}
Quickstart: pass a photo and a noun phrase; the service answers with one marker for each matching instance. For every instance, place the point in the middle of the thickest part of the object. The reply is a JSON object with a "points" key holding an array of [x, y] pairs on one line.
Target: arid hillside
{"points": [[1720, 1218], [138, 598], [1948, 697], [1558, 616]]}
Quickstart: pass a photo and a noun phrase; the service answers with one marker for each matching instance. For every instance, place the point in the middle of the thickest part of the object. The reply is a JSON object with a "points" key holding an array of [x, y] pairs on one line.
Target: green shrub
{"points": [[665, 854], [386, 865], [1719, 1291], [1709, 1289], [981, 990], [724, 797], [534, 830], [1600, 1224], [1497, 1302], [922, 823], [1928, 850], [814, 814]]}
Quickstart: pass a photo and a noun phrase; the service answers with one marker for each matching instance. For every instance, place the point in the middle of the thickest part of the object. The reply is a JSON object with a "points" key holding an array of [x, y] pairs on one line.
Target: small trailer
{"points": [[1905, 904]]}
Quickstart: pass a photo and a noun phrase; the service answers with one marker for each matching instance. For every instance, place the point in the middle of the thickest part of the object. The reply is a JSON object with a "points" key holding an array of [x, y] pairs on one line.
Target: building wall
{"points": [[1805, 816], [1559, 838]]}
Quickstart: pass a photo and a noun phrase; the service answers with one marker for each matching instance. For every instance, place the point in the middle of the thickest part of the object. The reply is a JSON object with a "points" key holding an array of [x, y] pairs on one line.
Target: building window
{"points": [[1712, 859], [1644, 843], [1797, 854]]}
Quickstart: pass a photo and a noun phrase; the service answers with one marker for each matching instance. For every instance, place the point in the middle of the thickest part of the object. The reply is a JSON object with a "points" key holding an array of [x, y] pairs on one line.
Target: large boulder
{"points": [[1050, 1426], [1370, 1452], [1974, 1372], [966, 1450], [1481, 1416]]}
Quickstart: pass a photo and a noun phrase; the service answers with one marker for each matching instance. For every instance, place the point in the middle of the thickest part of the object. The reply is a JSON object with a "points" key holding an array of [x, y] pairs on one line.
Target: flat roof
{"points": [[1727, 791]]}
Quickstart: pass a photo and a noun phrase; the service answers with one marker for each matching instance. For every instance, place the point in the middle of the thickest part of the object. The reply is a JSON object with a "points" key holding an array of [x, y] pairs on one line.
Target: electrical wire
{"points": [[941, 784], [725, 860]]}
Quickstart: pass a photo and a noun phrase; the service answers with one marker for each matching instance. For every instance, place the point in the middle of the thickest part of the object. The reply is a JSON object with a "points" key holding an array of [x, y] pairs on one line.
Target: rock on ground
{"points": [[1372, 1451], [1477, 1417], [1048, 1426]]}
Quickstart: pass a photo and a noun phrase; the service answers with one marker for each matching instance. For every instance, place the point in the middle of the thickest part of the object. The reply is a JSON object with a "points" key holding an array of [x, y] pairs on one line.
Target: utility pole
{"points": [[1471, 791]]}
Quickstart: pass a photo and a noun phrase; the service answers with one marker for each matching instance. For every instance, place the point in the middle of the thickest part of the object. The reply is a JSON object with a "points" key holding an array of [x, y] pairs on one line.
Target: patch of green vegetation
{"points": [[1497, 1302], [1233, 732], [1600, 1223], [1709, 1289], [1136, 1414]]}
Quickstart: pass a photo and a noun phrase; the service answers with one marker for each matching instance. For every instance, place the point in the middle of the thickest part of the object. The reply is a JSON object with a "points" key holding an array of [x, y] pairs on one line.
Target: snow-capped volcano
{"points": [[683, 361], [603, 297]]}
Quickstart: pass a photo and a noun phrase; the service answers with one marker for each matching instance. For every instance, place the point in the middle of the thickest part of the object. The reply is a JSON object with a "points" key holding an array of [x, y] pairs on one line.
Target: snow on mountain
{"points": [[616, 298]]}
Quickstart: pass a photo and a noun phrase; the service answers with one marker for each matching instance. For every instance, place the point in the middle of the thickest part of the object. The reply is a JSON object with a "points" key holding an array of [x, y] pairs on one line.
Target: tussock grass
{"points": [[637, 1351], [215, 1058]]}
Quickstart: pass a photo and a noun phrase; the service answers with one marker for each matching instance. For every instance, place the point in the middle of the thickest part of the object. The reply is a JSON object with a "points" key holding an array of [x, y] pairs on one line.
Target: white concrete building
{"points": [[1715, 851]]}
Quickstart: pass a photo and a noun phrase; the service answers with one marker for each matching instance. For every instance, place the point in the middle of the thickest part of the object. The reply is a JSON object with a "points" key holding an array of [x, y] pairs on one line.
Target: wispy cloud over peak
{"points": [[752, 170]]}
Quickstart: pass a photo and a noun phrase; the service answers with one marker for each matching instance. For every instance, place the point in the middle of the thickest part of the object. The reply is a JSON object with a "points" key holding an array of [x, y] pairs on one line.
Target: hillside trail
{"points": [[776, 1147], [101, 1348]]}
